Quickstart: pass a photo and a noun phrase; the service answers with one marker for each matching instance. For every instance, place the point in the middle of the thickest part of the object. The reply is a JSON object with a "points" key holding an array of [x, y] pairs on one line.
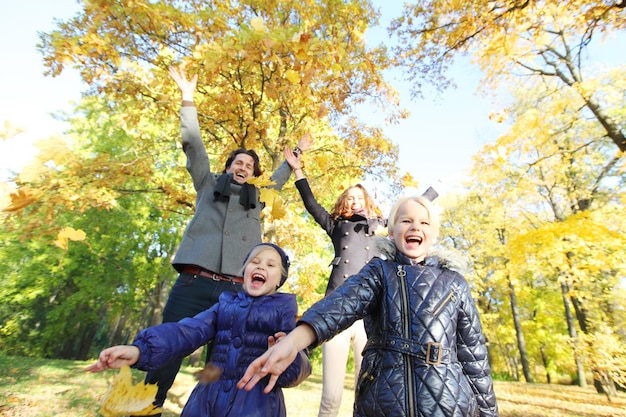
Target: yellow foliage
{"points": [[124, 398], [292, 76], [258, 25]]}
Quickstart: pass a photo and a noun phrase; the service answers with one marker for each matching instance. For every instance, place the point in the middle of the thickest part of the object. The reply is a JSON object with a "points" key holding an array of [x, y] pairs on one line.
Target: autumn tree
{"points": [[542, 39], [571, 184]]}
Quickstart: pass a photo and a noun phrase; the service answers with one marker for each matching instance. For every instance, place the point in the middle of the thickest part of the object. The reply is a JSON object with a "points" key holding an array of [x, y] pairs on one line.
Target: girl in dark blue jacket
{"points": [[241, 326]]}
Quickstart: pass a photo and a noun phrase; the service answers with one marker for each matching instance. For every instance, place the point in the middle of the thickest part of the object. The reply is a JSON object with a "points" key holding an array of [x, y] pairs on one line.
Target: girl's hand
{"points": [[115, 357]]}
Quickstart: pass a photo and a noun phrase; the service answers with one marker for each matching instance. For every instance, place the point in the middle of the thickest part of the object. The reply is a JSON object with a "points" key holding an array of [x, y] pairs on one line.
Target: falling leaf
{"points": [[278, 208], [210, 373], [124, 398], [66, 234], [21, 198], [260, 182], [267, 196], [54, 148]]}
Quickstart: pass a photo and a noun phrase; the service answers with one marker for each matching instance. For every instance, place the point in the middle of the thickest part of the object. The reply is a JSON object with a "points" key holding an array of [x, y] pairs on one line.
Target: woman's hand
{"points": [[306, 141]]}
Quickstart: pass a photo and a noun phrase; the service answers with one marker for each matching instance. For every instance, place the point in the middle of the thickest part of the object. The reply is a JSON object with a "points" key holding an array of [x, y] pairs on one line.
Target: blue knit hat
{"points": [[284, 259]]}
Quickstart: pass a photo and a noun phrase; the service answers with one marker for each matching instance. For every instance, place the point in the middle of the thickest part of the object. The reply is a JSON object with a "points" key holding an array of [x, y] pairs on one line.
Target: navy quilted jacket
{"points": [[239, 326], [426, 353]]}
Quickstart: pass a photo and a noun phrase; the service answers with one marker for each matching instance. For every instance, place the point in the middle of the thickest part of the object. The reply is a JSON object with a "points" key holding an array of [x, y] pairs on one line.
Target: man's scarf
{"points": [[247, 197]]}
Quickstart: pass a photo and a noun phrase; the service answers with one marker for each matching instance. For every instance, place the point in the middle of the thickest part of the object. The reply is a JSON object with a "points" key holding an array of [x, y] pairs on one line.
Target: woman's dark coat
{"points": [[351, 237], [426, 353]]}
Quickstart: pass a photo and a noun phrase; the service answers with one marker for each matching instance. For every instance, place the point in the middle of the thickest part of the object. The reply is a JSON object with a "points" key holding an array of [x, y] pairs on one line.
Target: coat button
{"points": [[367, 248], [237, 342], [226, 233], [345, 247], [346, 233], [347, 261]]}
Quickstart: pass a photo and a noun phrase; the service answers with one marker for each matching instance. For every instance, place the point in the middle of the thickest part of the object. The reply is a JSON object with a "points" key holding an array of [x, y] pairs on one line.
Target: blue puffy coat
{"points": [[426, 353], [239, 325]]}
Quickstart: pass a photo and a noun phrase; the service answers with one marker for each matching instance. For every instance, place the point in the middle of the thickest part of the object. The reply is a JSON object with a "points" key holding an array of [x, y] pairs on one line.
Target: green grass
{"points": [[44, 388]]}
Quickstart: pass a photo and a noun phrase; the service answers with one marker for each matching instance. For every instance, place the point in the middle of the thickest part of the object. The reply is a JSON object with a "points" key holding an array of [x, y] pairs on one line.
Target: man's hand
{"points": [[187, 87]]}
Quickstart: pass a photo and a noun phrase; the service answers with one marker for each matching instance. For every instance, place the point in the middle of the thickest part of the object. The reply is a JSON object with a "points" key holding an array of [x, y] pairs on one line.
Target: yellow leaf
{"points": [[278, 208], [260, 182], [292, 77], [33, 171], [61, 242], [124, 398], [258, 25], [72, 234], [54, 148], [21, 198], [267, 196]]}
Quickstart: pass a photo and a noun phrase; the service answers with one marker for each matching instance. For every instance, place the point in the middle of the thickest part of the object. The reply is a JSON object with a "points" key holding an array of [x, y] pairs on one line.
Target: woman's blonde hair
{"points": [[342, 208], [433, 215]]}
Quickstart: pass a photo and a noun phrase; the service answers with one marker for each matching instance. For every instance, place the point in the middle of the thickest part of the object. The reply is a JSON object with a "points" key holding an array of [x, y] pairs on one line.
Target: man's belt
{"points": [[433, 353], [201, 272]]}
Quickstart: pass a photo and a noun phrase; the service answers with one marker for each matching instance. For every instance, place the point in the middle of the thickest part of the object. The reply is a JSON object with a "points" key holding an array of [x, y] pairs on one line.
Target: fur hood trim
{"points": [[442, 257]]}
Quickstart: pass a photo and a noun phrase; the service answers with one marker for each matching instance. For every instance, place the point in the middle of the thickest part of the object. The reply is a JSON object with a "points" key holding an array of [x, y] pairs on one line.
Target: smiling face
{"points": [[412, 230], [262, 273], [355, 199], [242, 167]]}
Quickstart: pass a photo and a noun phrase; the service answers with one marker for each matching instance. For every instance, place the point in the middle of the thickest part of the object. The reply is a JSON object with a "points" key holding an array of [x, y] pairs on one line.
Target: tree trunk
{"points": [[546, 363], [582, 381], [521, 343]]}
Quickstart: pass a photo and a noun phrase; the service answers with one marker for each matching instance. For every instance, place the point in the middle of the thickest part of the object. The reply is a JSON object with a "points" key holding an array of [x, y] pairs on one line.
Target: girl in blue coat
{"points": [[241, 326]]}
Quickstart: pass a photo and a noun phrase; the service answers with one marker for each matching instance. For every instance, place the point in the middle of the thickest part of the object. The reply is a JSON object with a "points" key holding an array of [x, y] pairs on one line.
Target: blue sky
{"points": [[436, 142]]}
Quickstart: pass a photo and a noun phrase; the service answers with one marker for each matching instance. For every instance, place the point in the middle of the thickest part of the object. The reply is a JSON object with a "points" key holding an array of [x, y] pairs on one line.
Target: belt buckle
{"points": [[215, 277], [439, 353]]}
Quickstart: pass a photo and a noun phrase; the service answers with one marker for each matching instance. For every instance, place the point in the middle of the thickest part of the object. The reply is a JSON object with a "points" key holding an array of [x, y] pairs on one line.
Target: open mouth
{"points": [[240, 175], [258, 278], [414, 239]]}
